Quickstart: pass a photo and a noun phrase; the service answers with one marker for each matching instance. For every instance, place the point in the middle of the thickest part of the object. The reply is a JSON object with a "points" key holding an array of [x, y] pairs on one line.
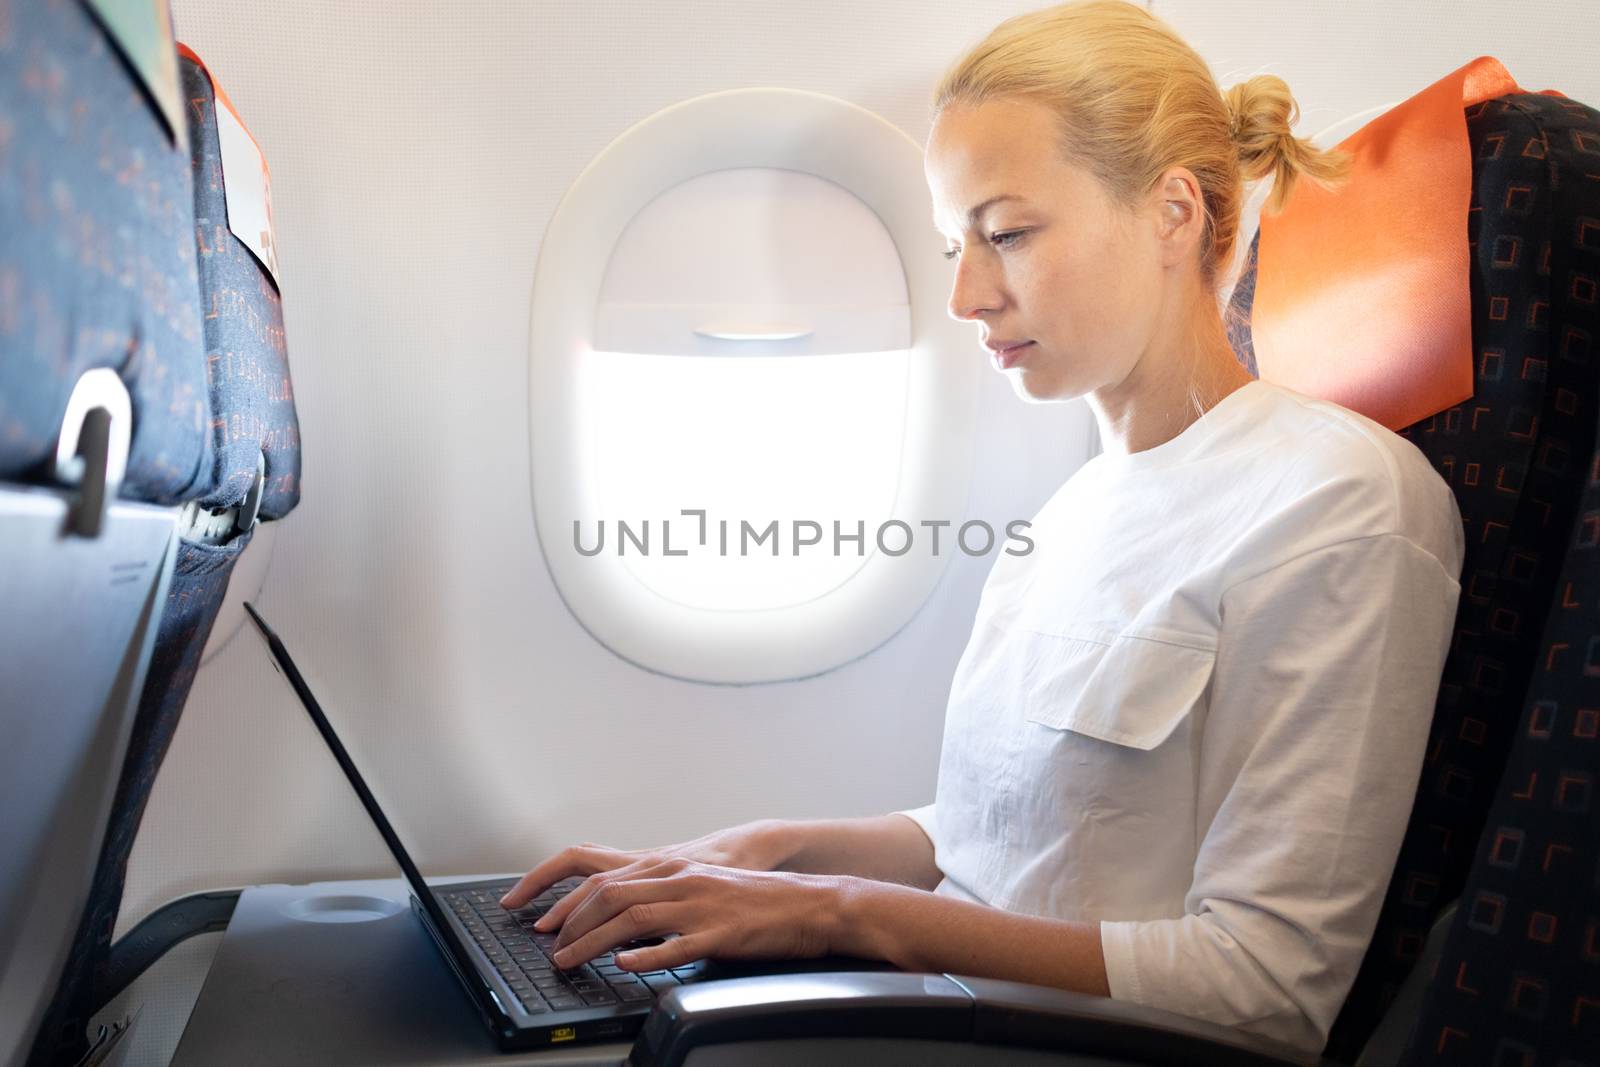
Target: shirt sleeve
{"points": [[1323, 690], [923, 817]]}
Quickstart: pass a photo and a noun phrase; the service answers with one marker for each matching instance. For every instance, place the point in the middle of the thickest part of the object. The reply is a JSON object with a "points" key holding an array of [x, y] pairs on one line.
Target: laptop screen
{"points": [[419, 888]]}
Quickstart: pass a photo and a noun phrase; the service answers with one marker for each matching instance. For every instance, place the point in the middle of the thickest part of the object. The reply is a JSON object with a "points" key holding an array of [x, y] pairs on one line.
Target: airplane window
{"points": [[754, 432], [773, 450], [739, 427]]}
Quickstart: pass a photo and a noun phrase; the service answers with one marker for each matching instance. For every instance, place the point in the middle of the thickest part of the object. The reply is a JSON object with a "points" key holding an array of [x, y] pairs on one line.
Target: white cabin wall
{"points": [[1344, 56], [417, 152]]}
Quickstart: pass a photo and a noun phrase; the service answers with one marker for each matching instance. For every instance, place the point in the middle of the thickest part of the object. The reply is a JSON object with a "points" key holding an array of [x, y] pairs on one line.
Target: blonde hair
{"points": [[1134, 99]]}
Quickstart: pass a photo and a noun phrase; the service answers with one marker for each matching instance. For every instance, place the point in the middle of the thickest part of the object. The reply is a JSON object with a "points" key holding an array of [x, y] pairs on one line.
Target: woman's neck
{"points": [[1172, 385]]}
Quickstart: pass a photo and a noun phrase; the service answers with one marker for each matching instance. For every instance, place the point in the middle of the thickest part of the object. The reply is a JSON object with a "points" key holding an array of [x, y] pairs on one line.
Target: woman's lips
{"points": [[1006, 358]]}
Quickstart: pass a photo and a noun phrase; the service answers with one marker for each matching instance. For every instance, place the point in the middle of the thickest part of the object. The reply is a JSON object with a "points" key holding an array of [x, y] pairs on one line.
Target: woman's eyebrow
{"points": [[977, 213]]}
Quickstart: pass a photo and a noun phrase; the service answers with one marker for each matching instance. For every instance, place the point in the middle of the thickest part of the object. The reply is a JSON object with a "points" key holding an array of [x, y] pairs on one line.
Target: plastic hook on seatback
{"points": [[92, 448]]}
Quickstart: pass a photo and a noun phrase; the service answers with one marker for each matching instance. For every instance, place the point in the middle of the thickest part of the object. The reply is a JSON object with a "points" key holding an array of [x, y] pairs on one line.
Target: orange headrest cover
{"points": [[1362, 294]]}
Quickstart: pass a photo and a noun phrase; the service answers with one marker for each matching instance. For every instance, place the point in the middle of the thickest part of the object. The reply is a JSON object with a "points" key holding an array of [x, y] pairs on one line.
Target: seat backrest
{"points": [[1515, 455], [98, 287], [247, 359], [247, 464], [1518, 981], [97, 255]]}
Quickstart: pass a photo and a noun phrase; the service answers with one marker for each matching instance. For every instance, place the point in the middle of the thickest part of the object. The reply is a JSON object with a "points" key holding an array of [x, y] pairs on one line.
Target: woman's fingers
{"points": [[580, 859], [611, 898], [713, 911], [673, 952], [557, 915], [561, 912], [640, 919]]}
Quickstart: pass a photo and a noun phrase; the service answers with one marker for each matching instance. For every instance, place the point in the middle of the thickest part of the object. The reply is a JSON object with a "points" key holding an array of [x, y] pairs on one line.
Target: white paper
{"points": [[247, 188]]}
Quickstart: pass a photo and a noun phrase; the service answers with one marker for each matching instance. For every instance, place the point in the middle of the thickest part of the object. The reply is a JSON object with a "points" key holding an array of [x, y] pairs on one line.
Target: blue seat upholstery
{"points": [[97, 262], [1519, 456], [247, 364], [240, 362], [1519, 978]]}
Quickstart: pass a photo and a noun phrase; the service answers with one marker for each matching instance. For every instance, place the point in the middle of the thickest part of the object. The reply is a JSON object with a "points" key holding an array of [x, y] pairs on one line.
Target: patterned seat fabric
{"points": [[247, 361], [1521, 457], [246, 369], [97, 260], [1519, 980]]}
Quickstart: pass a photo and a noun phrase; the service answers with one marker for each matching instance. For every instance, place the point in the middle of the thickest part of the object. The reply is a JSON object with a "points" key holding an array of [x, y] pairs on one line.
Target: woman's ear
{"points": [[1180, 215]]}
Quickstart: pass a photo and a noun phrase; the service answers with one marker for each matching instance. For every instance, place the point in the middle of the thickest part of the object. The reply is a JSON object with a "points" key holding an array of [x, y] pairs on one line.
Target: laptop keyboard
{"points": [[522, 954]]}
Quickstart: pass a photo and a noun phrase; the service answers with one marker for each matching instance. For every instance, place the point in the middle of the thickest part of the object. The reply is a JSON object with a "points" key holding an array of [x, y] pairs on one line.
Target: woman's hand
{"points": [[716, 911], [756, 846]]}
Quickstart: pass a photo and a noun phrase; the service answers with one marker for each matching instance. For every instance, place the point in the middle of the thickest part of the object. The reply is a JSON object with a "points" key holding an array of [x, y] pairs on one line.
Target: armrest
{"points": [[932, 1007], [1016, 1013], [821, 1004], [157, 933]]}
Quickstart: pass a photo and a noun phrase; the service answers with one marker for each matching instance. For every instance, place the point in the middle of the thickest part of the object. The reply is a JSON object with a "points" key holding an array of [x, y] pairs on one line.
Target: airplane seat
{"points": [[117, 255], [1517, 456], [1518, 978], [97, 268], [103, 432], [1505, 815], [257, 433]]}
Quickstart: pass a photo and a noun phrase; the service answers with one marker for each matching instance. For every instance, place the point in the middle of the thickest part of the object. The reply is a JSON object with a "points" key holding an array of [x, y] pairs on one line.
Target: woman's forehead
{"points": [[977, 161], [1013, 134]]}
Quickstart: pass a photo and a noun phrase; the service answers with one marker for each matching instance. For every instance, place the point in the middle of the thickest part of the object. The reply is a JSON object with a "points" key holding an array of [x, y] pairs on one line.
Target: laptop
{"points": [[499, 959]]}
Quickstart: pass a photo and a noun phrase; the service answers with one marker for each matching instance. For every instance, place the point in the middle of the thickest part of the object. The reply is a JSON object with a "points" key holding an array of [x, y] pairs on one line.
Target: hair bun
{"points": [[1262, 115], [1261, 118]]}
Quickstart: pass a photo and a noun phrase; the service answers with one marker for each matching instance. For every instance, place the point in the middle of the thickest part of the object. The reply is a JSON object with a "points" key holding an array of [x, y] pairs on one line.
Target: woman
{"points": [[1183, 741]]}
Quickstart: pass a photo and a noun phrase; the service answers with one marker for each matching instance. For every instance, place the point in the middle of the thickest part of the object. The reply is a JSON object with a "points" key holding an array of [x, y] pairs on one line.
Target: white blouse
{"points": [[1196, 711]]}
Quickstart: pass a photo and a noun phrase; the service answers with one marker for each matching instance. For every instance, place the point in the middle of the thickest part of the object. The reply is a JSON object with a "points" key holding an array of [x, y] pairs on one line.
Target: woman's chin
{"points": [[1035, 388]]}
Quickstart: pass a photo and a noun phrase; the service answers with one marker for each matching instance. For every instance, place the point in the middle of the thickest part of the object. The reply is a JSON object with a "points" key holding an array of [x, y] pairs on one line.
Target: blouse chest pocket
{"points": [[1128, 690]]}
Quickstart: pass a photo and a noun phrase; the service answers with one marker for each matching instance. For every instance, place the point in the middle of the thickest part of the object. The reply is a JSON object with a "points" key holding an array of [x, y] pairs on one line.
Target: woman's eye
{"points": [[1000, 240], [1007, 239]]}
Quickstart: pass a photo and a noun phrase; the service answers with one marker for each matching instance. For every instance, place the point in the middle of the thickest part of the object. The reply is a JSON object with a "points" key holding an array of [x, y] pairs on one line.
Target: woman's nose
{"points": [[973, 291]]}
